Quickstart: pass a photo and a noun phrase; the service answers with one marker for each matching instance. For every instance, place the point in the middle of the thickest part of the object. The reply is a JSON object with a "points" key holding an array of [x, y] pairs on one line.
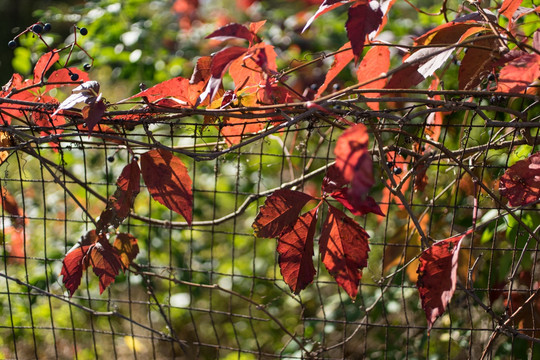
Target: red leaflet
{"points": [[127, 248], [254, 27], [374, 64], [95, 251], [326, 6], [519, 73], [92, 114], [62, 77], [477, 62], [280, 210], [341, 60], [251, 71], [168, 181], [44, 63], [295, 248], [333, 180], [344, 250], [176, 87], [351, 154], [357, 206], [231, 31], [10, 206], [509, 7], [121, 202], [437, 276], [220, 62], [364, 18], [520, 184]]}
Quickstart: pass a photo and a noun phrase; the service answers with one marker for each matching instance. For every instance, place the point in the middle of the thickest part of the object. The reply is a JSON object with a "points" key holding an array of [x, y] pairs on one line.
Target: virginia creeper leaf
{"points": [[168, 181], [520, 184], [220, 62], [519, 73], [121, 202], [295, 248], [62, 77], [375, 63], [44, 63], [344, 249], [437, 276], [231, 31], [127, 248], [476, 63], [326, 6], [87, 92], [105, 262], [92, 114], [352, 156], [364, 18], [341, 60], [280, 210], [10, 206], [357, 206], [333, 180], [509, 7], [176, 87]]}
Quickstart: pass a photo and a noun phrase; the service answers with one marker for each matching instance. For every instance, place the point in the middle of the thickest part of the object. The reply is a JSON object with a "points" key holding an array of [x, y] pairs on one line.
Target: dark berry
{"points": [[37, 28], [335, 87], [390, 164], [491, 77], [12, 44], [83, 31], [87, 67], [74, 77], [47, 27], [110, 159], [135, 158], [398, 170]]}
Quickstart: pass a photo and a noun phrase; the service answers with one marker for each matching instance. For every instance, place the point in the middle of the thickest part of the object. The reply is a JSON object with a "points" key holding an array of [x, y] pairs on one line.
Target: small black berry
{"points": [[87, 67], [491, 77], [12, 44], [47, 27], [135, 158], [110, 159], [335, 87], [83, 31], [398, 170], [37, 28], [74, 77], [390, 164]]}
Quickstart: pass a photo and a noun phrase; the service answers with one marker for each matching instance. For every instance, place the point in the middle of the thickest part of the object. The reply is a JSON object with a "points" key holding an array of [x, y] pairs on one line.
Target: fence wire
{"points": [[214, 290]]}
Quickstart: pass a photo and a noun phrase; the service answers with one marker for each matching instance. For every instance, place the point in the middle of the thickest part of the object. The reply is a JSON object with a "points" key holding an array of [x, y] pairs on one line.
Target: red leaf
{"points": [[374, 64], [280, 210], [344, 250], [437, 276], [74, 263], [333, 180], [220, 62], [252, 69], [519, 73], [127, 248], [509, 7], [72, 268], [352, 157], [357, 206], [326, 6], [176, 87], [254, 27], [364, 18], [10, 206], [63, 76], [16, 249], [520, 184], [231, 31], [295, 248], [477, 62], [105, 262], [44, 63], [341, 60], [168, 181], [121, 202], [92, 114]]}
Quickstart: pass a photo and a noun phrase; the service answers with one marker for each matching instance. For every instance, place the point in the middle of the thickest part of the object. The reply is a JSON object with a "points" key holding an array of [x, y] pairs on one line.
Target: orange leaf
{"points": [[127, 248], [341, 60], [374, 64]]}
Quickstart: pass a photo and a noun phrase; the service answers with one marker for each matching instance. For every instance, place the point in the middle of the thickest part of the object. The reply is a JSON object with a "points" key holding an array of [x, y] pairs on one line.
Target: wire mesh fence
{"points": [[214, 290], [211, 289]]}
